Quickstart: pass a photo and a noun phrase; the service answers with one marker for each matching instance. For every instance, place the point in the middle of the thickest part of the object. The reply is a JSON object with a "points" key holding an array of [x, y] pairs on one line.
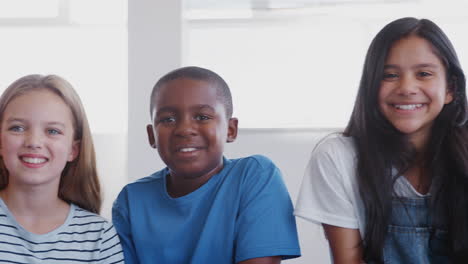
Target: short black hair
{"points": [[201, 74]]}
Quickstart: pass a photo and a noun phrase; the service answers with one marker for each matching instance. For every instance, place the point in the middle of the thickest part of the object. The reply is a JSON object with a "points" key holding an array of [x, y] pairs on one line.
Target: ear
{"points": [[75, 151], [449, 91], [449, 95], [232, 129], [151, 138]]}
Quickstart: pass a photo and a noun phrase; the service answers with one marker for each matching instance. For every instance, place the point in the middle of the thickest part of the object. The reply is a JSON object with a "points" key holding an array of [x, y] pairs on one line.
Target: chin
{"points": [[407, 128]]}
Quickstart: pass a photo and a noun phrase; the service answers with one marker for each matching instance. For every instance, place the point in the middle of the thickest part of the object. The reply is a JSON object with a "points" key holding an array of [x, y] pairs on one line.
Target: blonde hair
{"points": [[79, 183]]}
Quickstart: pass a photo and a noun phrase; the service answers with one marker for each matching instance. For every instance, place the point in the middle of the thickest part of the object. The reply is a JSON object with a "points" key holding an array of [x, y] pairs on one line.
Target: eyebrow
{"points": [[170, 109], [203, 106], [21, 120], [417, 66]]}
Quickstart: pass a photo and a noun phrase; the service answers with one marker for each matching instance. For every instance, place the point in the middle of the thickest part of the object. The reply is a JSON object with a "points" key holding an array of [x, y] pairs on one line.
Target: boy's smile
{"points": [[189, 130]]}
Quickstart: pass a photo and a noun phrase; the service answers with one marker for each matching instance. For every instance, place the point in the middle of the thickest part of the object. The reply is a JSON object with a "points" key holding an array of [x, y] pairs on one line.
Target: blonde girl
{"points": [[49, 188]]}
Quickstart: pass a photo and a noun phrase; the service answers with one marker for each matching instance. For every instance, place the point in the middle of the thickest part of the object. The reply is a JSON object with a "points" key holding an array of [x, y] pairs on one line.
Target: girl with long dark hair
{"points": [[393, 188]]}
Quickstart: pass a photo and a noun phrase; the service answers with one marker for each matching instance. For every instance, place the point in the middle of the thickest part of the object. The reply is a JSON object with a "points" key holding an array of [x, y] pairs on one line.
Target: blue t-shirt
{"points": [[242, 212]]}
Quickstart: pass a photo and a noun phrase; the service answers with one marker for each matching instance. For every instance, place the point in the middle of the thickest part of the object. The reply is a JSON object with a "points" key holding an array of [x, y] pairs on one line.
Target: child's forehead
{"points": [[184, 87], [188, 83], [188, 94]]}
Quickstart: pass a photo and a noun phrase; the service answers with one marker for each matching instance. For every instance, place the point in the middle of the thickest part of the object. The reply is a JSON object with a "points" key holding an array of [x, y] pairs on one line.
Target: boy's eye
{"points": [[16, 129], [168, 119], [202, 117]]}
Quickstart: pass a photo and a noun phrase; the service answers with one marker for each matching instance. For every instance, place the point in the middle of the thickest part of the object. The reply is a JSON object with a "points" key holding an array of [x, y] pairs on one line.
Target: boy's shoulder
{"points": [[153, 178], [253, 160]]}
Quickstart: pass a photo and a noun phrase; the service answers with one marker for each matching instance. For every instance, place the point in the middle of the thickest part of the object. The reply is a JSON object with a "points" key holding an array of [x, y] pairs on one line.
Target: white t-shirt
{"points": [[329, 192]]}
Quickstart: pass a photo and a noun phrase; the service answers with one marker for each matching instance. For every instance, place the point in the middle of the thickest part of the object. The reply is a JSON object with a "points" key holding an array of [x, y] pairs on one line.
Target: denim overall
{"points": [[411, 238]]}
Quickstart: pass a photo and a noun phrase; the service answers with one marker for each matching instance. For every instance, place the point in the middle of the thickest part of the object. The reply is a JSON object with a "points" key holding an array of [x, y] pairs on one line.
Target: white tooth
{"points": [[33, 160], [187, 149], [408, 107]]}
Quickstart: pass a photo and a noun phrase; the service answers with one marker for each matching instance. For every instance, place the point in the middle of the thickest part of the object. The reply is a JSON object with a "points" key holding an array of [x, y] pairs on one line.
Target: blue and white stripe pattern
{"points": [[83, 238]]}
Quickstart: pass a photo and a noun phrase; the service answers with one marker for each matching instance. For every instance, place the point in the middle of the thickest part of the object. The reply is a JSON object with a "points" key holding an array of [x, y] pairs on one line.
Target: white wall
{"points": [[154, 48], [111, 158]]}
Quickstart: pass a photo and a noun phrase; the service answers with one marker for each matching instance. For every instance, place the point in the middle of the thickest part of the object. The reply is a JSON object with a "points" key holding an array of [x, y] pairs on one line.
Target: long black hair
{"points": [[381, 147]]}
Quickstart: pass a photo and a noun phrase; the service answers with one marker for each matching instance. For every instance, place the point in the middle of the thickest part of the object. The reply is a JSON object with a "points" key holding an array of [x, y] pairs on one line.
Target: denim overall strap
{"points": [[411, 238]]}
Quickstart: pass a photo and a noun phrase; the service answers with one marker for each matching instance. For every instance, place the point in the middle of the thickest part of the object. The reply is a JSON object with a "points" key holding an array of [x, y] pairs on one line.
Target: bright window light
{"points": [[29, 8], [98, 12]]}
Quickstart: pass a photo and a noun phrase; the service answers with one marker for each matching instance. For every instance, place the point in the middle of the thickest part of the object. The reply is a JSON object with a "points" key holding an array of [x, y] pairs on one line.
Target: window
{"points": [[295, 64], [83, 41]]}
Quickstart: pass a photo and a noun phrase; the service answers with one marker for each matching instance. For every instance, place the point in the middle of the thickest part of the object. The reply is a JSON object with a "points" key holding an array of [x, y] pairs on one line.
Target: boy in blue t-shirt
{"points": [[203, 208]]}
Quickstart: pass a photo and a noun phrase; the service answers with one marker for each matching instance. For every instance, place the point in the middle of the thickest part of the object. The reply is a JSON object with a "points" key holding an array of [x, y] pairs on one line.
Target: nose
{"points": [[33, 140], [185, 127], [408, 85]]}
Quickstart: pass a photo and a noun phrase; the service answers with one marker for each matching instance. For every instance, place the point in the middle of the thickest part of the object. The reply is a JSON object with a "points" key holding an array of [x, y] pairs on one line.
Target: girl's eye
{"points": [[16, 129], [53, 131], [390, 76], [424, 74]]}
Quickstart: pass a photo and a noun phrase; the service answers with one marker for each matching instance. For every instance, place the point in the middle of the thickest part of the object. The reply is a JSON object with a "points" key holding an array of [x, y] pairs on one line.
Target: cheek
{"points": [[220, 136], [62, 149], [384, 90], [382, 97], [161, 138], [8, 145]]}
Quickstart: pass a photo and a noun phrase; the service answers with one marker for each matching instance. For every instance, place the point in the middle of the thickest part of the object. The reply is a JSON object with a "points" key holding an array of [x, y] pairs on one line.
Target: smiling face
{"points": [[36, 139], [190, 128], [414, 89]]}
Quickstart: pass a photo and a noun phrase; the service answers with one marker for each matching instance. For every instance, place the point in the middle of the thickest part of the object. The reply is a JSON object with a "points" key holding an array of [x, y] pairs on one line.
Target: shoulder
{"points": [[252, 168], [134, 194], [89, 224], [155, 177], [329, 192], [85, 218], [336, 149], [254, 174], [146, 182], [336, 144], [254, 161], [96, 229]]}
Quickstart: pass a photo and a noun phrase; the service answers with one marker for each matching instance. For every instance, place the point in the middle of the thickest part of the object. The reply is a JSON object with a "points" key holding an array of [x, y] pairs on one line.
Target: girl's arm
{"points": [[345, 244]]}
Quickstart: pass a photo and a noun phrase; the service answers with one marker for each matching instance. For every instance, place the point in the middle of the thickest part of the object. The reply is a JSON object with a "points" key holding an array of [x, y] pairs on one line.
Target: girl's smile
{"points": [[33, 160], [36, 139], [414, 89]]}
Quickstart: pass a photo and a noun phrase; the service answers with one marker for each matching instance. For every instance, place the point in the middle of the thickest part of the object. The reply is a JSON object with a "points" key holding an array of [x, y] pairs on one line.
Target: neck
{"points": [[420, 141], [37, 210], [181, 187], [419, 178]]}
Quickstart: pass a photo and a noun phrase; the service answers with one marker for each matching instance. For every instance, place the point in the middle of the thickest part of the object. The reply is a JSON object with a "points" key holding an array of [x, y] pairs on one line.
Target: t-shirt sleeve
{"points": [[326, 194], [265, 225], [111, 250], [120, 218]]}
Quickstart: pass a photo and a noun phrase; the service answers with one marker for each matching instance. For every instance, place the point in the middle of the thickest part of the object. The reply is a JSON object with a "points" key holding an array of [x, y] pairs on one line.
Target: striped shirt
{"points": [[83, 238]]}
